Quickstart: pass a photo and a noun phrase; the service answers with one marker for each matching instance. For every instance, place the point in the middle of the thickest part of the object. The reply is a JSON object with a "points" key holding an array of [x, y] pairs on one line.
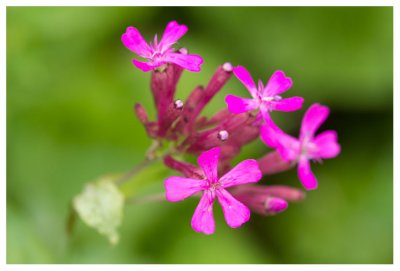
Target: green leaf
{"points": [[100, 206]]}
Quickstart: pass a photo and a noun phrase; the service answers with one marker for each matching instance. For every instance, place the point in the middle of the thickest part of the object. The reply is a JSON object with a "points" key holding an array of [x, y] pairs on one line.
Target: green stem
{"points": [[146, 199], [151, 156], [135, 170]]}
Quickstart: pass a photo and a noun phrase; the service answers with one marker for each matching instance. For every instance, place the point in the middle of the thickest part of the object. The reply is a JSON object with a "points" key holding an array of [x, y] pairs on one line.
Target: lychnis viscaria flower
{"points": [[235, 212], [264, 98], [161, 52], [307, 147]]}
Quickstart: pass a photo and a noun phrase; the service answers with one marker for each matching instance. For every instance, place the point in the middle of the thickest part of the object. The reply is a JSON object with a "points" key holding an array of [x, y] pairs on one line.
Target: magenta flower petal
{"points": [[144, 66], [313, 119], [269, 136], [208, 161], [188, 62], [306, 176], [239, 105], [133, 40], [327, 145], [288, 146], [277, 84], [246, 171], [172, 33], [244, 76], [287, 105], [265, 113], [203, 220], [235, 212], [179, 188]]}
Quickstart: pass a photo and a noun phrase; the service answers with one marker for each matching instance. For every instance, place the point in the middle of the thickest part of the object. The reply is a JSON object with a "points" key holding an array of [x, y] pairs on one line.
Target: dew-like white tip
{"points": [[183, 51], [227, 67], [178, 104], [223, 135]]}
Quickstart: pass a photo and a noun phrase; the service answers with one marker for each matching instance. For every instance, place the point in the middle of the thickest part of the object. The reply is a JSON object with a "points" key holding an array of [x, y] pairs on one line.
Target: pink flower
{"points": [[235, 212], [264, 98], [307, 147], [161, 52]]}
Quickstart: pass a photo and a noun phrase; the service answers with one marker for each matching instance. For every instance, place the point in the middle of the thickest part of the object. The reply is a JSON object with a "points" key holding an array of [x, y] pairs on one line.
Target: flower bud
{"points": [[188, 170], [151, 127], [220, 77], [163, 86], [280, 191], [262, 203], [272, 163]]}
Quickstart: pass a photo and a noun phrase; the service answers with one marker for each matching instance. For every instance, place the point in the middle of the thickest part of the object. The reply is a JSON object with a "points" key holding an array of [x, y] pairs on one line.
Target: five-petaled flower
{"points": [[161, 52], [264, 98], [235, 212], [307, 147]]}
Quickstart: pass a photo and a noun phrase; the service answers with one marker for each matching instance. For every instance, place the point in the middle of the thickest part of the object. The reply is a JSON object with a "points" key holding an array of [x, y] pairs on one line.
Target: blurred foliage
{"points": [[70, 92]]}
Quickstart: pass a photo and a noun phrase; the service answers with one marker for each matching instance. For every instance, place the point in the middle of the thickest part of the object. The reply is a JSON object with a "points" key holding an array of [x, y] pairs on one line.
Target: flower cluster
{"points": [[218, 139]]}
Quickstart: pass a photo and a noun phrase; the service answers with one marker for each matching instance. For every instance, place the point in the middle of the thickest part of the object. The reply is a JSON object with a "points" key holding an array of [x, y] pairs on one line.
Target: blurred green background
{"points": [[70, 93]]}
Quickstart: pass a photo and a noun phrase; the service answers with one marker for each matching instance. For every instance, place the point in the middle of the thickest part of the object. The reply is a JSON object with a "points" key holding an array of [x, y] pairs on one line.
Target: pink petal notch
{"points": [[133, 40], [172, 33], [327, 145], [277, 84], [312, 120], [244, 76], [246, 171]]}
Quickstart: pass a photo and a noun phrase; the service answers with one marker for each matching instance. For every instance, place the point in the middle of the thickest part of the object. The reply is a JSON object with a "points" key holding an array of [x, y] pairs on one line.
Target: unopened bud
{"points": [[141, 113], [188, 170], [273, 162], [263, 204], [223, 135], [178, 104], [259, 200], [274, 205]]}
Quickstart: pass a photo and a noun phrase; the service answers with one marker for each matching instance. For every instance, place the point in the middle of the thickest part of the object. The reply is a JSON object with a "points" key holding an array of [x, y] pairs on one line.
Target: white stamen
{"points": [[223, 135], [183, 51], [227, 67], [270, 99], [178, 104], [267, 99]]}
